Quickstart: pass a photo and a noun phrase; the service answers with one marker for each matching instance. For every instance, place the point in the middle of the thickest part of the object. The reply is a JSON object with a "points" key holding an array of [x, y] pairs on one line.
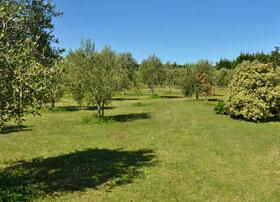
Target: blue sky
{"points": [[174, 30]]}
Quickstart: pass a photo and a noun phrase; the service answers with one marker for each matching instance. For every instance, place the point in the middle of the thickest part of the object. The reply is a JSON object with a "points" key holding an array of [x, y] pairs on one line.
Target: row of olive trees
{"points": [[93, 76], [28, 62], [196, 79]]}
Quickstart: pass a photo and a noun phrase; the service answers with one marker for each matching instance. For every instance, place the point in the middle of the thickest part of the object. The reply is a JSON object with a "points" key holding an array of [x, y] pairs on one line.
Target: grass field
{"points": [[149, 149]]}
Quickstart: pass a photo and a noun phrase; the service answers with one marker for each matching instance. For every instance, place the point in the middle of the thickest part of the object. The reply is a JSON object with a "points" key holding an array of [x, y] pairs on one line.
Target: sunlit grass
{"points": [[164, 149]]}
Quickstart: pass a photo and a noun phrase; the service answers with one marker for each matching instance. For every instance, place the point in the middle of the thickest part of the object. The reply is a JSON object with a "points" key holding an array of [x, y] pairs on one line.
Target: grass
{"points": [[165, 149]]}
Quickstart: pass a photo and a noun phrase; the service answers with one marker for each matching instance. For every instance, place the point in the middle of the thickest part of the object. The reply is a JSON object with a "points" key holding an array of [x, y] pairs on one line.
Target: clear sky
{"points": [[175, 30]]}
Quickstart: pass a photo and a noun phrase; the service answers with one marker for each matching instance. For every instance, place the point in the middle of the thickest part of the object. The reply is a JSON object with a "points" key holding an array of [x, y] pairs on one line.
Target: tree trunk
{"points": [[206, 98], [103, 105], [53, 103], [196, 96], [98, 109], [1, 120], [20, 108]]}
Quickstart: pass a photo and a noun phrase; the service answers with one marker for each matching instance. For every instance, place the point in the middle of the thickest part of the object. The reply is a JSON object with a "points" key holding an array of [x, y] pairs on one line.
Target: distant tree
{"points": [[204, 76], [223, 77], [171, 76], [224, 64], [254, 93], [188, 82], [260, 56], [275, 56], [151, 72], [129, 67], [244, 57]]}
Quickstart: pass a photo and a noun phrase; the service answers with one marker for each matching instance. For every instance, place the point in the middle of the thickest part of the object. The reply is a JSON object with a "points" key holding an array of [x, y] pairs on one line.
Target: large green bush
{"points": [[254, 93]]}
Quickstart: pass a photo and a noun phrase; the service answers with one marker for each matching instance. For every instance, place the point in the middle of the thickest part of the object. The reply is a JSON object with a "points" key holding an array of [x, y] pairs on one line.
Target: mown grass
{"points": [[164, 149]]}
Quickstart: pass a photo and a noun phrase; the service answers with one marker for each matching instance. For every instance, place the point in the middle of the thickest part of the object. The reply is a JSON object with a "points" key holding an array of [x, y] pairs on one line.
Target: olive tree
{"points": [[171, 76], [103, 76], [95, 75], [188, 82], [75, 75], [56, 84], [254, 93], [223, 77], [151, 72], [24, 79], [129, 68]]}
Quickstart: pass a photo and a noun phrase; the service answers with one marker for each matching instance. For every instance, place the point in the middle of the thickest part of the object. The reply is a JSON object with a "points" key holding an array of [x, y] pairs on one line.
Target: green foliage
{"points": [[204, 78], [171, 76], [223, 77], [25, 78], [198, 79], [56, 83], [254, 93], [129, 68], [151, 72], [96, 75], [220, 108], [74, 75], [188, 83], [103, 77], [39, 27], [225, 64]]}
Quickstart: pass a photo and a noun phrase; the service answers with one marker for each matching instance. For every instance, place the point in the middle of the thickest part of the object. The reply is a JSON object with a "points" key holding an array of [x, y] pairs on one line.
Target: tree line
{"points": [[265, 58]]}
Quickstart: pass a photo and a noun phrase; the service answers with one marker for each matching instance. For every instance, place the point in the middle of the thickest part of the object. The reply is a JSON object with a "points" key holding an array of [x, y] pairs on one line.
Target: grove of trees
{"points": [[33, 73]]}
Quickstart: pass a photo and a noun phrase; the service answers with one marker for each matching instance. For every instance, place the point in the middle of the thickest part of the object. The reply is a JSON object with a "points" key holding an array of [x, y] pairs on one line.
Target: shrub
{"points": [[254, 93], [220, 108]]}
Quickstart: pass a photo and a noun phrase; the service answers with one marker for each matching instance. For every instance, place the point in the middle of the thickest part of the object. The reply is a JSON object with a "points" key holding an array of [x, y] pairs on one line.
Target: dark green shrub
{"points": [[220, 108]]}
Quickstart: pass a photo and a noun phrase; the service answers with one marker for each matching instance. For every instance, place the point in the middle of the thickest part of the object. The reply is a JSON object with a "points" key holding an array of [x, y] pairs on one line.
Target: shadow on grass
{"points": [[129, 117], [55, 176], [140, 104], [269, 120], [115, 118], [77, 108], [171, 97], [214, 99], [123, 99], [13, 128]]}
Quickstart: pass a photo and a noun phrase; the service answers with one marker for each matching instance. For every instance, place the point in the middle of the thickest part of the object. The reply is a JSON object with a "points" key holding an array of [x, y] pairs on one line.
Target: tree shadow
{"points": [[214, 99], [123, 99], [13, 128], [129, 117], [263, 121], [55, 176], [171, 96], [78, 108]]}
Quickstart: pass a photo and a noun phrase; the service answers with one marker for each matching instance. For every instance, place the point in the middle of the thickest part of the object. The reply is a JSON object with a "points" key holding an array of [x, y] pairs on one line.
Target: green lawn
{"points": [[149, 149]]}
